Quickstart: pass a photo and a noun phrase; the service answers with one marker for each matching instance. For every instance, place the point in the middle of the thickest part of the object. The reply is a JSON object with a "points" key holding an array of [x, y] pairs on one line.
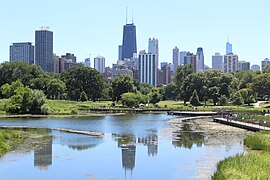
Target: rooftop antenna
{"points": [[228, 39]]}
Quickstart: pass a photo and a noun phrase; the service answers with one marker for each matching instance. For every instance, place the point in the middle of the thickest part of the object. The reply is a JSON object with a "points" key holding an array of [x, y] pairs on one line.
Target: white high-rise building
{"points": [[153, 48], [99, 64], [176, 58], [200, 60], [148, 68], [230, 63], [217, 62], [182, 57]]}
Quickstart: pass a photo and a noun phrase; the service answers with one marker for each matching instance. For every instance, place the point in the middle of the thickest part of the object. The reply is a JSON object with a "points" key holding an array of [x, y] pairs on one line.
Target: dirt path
{"points": [[257, 104]]}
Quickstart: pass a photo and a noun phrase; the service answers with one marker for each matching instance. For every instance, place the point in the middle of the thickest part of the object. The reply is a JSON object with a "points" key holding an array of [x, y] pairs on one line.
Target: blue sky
{"points": [[95, 27]]}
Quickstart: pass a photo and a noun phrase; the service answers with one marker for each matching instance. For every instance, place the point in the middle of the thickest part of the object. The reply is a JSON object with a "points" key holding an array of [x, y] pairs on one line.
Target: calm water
{"points": [[134, 147]]}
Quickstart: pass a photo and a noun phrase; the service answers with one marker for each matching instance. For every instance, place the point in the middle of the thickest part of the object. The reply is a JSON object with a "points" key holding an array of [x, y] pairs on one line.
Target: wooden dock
{"points": [[192, 113], [242, 125]]}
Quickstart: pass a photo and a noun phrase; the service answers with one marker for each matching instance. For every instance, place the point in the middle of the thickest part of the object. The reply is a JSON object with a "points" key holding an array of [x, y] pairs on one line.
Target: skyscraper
{"points": [[99, 64], [217, 62], [153, 48], [230, 63], [87, 62], [200, 60], [190, 58], [228, 48], [44, 49], [129, 45], [243, 66], [120, 52], [148, 68], [22, 52], [182, 56], [176, 61]]}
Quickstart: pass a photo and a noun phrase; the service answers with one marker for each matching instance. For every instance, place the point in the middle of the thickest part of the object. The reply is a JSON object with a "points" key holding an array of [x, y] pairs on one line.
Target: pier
{"points": [[242, 125]]}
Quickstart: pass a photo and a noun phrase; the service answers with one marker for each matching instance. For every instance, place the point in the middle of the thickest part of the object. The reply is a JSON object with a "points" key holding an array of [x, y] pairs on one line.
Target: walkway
{"points": [[243, 125]]}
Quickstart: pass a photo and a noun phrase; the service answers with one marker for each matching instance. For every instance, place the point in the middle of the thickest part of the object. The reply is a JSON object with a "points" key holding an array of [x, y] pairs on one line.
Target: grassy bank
{"points": [[253, 165], [63, 107], [9, 140]]}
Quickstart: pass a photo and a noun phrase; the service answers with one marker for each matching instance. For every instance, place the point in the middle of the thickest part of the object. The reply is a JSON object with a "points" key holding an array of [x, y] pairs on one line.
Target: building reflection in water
{"points": [[43, 155], [128, 143], [151, 141]]}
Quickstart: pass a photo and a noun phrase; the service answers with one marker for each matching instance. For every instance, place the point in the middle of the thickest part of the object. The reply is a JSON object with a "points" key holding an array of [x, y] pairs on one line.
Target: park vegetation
{"points": [[252, 165], [28, 89]]}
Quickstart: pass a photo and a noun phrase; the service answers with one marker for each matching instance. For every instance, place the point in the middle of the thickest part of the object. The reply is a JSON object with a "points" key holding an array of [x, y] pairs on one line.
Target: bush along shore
{"points": [[251, 165]]}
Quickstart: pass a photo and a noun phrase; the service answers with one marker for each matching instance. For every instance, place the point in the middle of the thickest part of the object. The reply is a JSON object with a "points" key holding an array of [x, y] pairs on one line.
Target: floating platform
{"points": [[242, 125]]}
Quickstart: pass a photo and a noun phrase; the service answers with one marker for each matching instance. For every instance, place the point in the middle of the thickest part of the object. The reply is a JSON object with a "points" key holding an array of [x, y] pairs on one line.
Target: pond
{"points": [[135, 146]]}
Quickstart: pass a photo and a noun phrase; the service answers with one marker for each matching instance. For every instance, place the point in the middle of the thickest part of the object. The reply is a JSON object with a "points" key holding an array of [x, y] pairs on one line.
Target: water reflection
{"points": [[77, 141], [43, 155], [186, 137], [151, 141]]}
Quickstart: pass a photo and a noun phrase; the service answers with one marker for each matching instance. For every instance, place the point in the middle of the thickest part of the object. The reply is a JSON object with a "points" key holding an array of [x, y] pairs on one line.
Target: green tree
{"points": [[26, 101], [237, 99], [261, 85], [133, 99], [10, 90], [40, 84], [121, 85], [245, 78], [247, 95], [170, 92], [266, 69], [79, 79], [145, 88], [214, 94], [193, 82], [56, 89], [223, 100], [12, 71], [154, 96], [181, 73], [194, 99], [224, 90]]}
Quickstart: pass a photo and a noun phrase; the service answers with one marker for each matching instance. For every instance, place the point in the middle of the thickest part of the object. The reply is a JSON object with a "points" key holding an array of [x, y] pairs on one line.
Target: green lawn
{"points": [[62, 107]]}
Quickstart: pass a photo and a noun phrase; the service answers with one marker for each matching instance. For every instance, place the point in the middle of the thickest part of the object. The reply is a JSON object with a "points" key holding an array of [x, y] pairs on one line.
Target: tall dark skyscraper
{"points": [[129, 45], [44, 49]]}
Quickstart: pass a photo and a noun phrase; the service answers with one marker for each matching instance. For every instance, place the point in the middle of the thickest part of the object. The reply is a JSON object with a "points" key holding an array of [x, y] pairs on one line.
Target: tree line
{"points": [[82, 84]]}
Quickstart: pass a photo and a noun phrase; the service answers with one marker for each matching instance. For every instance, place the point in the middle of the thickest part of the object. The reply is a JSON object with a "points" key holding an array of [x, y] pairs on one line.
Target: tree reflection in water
{"points": [[187, 137]]}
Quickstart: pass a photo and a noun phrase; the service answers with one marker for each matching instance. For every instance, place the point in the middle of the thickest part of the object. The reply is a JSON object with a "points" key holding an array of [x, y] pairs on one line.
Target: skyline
{"points": [[86, 28]]}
